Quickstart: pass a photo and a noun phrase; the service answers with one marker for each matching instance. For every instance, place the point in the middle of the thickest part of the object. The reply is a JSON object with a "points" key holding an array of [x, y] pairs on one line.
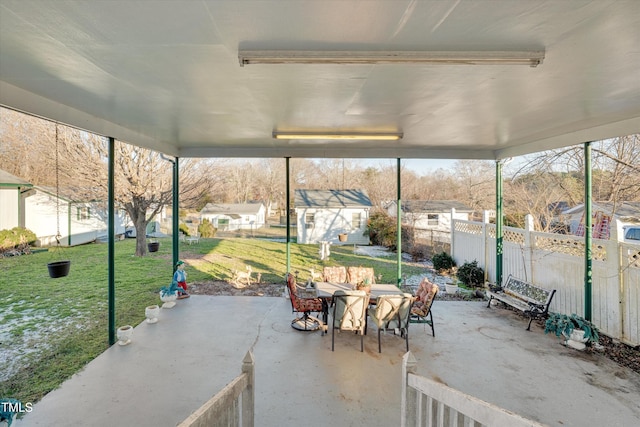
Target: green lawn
{"points": [[51, 328]]}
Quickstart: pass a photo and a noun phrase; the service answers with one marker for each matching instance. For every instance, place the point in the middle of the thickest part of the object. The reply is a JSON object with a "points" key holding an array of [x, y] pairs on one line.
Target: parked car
{"points": [[631, 234]]}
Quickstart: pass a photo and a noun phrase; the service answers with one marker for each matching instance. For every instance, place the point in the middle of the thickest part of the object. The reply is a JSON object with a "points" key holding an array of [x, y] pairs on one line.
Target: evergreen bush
{"points": [[443, 261]]}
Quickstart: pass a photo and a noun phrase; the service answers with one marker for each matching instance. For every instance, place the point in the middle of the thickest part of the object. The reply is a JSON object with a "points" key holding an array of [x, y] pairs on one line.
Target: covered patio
{"points": [[378, 79], [174, 366]]}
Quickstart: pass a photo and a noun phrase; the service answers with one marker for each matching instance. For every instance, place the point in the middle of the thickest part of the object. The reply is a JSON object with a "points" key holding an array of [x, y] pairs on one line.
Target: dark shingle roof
{"points": [[331, 199]]}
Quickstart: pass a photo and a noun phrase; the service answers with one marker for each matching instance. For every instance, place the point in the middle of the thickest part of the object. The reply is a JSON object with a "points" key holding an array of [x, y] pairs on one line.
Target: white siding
{"points": [[329, 223], [9, 208]]}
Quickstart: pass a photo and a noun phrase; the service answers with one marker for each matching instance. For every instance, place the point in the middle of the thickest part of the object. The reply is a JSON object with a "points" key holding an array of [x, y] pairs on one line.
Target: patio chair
{"points": [[304, 306], [392, 313], [421, 309], [349, 314]]}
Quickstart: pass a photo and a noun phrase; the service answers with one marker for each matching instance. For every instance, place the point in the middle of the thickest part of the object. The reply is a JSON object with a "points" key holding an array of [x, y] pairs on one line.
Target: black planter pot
{"points": [[58, 269], [153, 246]]}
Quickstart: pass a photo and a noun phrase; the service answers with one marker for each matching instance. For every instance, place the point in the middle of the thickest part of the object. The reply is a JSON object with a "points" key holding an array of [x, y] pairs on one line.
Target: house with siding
{"points": [[12, 191], [46, 211], [605, 215], [323, 215], [234, 216], [430, 219]]}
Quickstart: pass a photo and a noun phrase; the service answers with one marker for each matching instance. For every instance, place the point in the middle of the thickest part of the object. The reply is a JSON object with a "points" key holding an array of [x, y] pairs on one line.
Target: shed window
{"points": [[356, 220], [83, 212], [309, 220], [432, 219]]}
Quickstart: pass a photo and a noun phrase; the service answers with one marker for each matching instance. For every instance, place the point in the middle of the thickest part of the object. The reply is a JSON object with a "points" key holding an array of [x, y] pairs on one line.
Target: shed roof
{"points": [[9, 180], [630, 210], [232, 209], [331, 199]]}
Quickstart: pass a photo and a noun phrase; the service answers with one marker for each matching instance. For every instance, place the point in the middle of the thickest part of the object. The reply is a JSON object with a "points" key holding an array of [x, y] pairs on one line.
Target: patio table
{"points": [[325, 291]]}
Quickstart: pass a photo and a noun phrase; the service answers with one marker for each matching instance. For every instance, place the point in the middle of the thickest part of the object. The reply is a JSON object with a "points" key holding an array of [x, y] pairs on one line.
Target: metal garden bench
{"points": [[532, 300]]}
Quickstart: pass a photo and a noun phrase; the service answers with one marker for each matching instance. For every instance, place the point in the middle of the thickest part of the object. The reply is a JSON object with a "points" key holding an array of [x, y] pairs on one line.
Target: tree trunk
{"points": [[138, 216]]}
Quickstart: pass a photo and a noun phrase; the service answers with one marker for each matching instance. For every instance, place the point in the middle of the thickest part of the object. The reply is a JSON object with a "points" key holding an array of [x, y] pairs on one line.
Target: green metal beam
{"points": [[588, 240], [176, 214], [111, 243], [399, 228], [288, 197], [499, 215]]}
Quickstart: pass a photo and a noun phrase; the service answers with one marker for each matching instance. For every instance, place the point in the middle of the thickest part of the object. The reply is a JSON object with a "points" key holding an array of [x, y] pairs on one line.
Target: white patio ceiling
{"points": [[165, 74]]}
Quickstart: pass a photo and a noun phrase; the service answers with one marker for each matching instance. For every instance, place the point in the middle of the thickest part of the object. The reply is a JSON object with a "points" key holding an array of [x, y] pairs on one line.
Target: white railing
{"points": [[557, 261], [429, 403], [232, 406]]}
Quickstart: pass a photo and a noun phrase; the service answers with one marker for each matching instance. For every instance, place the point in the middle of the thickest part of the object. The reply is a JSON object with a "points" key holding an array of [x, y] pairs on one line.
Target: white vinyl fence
{"points": [[429, 403], [557, 261], [233, 406]]}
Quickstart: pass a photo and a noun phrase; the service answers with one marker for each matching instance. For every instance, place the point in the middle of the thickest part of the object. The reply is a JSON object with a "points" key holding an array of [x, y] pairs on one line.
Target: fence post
{"points": [[248, 400], [409, 394], [528, 247], [485, 252]]}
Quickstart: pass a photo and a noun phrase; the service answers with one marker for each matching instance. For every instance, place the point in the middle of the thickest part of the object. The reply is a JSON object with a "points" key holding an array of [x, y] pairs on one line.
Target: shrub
{"points": [[206, 229], [184, 228], [443, 261], [470, 274], [15, 237], [382, 229]]}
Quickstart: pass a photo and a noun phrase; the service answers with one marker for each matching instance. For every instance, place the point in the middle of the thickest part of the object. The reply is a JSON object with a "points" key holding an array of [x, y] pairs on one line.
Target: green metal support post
{"points": [[499, 215], [111, 243], [176, 214], [588, 272], [399, 227], [288, 197]]}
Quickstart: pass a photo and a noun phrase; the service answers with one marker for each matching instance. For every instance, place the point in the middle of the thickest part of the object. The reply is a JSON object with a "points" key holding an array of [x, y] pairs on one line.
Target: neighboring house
{"points": [[78, 222], [12, 200], [234, 216], [322, 215], [427, 216], [603, 215]]}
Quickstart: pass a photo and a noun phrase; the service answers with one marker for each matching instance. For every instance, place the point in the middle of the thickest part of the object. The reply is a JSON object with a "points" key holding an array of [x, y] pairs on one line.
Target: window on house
{"points": [[432, 219], [83, 212], [309, 220], [356, 220]]}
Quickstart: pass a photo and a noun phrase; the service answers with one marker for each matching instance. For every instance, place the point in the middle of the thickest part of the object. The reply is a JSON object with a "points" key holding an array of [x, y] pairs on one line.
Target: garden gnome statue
{"points": [[180, 277]]}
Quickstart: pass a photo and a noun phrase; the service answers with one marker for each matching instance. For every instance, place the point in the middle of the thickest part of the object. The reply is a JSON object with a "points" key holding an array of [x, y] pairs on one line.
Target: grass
{"points": [[51, 328]]}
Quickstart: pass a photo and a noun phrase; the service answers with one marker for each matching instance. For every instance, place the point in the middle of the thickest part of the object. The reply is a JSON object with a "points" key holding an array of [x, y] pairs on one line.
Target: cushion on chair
{"points": [[335, 274], [357, 275], [350, 310], [390, 308], [424, 298]]}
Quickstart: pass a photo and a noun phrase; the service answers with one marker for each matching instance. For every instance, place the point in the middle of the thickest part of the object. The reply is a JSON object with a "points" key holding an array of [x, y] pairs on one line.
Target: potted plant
{"points": [[153, 245], [577, 331], [364, 285], [343, 237], [169, 295]]}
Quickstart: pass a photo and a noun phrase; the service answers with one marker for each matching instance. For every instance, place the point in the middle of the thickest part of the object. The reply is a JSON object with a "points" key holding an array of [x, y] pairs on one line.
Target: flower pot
{"points": [[451, 288], [366, 288], [343, 237], [577, 340], [124, 334], [58, 268], [153, 246], [151, 313], [169, 300]]}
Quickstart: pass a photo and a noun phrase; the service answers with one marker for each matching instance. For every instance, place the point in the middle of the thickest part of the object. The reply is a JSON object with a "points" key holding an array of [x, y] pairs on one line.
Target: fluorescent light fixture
{"points": [[374, 136], [530, 58]]}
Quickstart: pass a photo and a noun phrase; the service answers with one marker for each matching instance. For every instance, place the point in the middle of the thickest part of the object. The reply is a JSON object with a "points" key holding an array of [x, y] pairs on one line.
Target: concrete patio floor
{"points": [[196, 348]]}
